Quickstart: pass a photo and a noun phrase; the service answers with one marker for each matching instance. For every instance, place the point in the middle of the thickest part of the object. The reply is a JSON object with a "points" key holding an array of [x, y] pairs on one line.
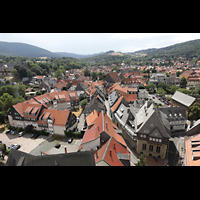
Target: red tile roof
{"points": [[117, 103], [109, 151], [102, 124], [130, 97]]}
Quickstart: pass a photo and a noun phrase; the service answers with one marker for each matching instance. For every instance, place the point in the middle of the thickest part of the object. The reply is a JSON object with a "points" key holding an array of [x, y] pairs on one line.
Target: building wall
{"points": [[177, 104], [163, 149], [91, 145], [102, 163], [59, 130]]}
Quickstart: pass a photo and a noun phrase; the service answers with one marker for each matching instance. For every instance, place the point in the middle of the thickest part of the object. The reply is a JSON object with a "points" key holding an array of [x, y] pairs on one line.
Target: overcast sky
{"points": [[89, 43]]}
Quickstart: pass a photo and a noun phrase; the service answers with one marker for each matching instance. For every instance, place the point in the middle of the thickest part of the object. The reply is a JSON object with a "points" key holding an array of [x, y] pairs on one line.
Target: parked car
{"points": [[15, 132], [12, 132], [11, 146], [8, 131], [21, 133], [57, 146], [16, 146], [32, 135], [70, 140], [36, 135]]}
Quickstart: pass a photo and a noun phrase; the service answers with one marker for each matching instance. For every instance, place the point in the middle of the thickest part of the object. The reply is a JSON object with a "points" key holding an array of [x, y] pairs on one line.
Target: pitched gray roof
{"points": [[182, 98], [19, 158], [150, 121]]}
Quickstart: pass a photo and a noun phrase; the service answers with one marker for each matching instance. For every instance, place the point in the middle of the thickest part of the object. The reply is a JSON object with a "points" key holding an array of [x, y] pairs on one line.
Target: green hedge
{"points": [[77, 135]]}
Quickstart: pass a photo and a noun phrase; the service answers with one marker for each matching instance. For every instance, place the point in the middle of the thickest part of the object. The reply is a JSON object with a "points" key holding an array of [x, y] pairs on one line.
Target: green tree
{"points": [[194, 112], [142, 161], [94, 76], [14, 73], [178, 73], [58, 73], [173, 89], [21, 70], [20, 90], [183, 82], [167, 74], [83, 103], [86, 72], [38, 93], [36, 68], [161, 91], [153, 70], [150, 87], [164, 86]]}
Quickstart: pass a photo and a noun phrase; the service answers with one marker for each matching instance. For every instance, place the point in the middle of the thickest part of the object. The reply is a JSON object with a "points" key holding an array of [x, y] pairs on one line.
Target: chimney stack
{"points": [[106, 125], [65, 149], [114, 145], [110, 152]]}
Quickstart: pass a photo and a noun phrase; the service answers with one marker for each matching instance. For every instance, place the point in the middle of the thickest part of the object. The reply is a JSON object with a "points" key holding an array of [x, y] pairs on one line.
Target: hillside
{"points": [[22, 49], [187, 49], [73, 55]]}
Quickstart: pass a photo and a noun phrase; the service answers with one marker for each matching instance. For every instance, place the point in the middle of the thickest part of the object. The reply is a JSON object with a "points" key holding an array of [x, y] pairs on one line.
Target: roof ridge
{"points": [[107, 148]]}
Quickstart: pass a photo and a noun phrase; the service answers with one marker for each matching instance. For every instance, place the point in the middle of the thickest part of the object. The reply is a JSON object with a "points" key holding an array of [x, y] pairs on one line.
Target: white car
{"points": [[21, 133]]}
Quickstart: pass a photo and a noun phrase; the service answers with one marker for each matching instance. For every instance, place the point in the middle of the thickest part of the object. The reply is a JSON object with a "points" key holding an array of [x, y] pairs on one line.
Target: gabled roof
{"points": [[92, 116], [115, 77], [117, 103], [113, 153], [59, 117], [148, 119], [22, 107], [19, 158], [130, 97], [184, 99], [102, 124]]}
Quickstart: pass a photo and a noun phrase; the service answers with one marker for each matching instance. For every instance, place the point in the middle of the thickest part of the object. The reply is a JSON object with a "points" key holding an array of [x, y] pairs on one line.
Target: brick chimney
{"points": [[65, 149]]}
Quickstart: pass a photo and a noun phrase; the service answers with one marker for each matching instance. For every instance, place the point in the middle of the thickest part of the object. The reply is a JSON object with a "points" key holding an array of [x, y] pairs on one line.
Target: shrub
{"points": [[72, 134], [7, 151]]}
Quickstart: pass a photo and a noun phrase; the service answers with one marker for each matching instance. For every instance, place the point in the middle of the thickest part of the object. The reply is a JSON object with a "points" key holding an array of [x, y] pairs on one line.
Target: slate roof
{"points": [[182, 98], [85, 158], [94, 102], [148, 119]]}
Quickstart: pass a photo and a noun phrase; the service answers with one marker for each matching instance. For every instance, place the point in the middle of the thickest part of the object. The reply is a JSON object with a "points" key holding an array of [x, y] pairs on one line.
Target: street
{"points": [[108, 108]]}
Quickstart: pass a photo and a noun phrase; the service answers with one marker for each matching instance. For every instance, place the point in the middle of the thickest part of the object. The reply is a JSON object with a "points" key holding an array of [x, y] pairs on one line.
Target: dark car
{"points": [[70, 140], [32, 135], [36, 135], [57, 146], [8, 131], [15, 132]]}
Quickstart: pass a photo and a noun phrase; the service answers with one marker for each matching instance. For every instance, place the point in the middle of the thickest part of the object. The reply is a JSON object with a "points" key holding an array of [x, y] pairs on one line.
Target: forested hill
{"points": [[22, 49], [188, 50]]}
